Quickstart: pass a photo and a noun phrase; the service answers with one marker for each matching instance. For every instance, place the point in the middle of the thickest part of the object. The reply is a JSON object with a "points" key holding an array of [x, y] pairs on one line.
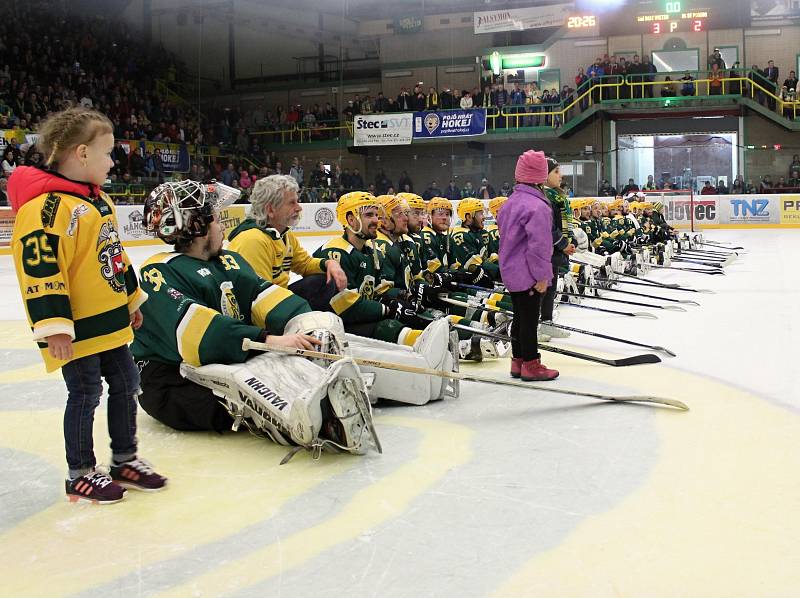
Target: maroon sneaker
{"points": [[516, 367], [138, 474], [535, 371], [95, 487]]}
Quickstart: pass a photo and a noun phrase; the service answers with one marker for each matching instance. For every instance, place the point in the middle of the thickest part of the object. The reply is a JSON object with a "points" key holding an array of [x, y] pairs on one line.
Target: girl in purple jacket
{"points": [[526, 249]]}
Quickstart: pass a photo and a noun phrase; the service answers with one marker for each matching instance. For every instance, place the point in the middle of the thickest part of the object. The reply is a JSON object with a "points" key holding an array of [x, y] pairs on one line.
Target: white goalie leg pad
{"points": [[571, 286], [281, 396], [435, 348], [326, 327], [586, 257]]}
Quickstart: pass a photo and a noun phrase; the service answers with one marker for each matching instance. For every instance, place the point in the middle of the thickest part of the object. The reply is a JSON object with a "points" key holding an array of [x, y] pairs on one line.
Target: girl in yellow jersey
{"points": [[81, 296]]}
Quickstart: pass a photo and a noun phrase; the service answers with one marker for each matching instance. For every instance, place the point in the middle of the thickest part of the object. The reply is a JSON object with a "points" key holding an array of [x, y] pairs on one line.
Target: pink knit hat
{"points": [[531, 168]]}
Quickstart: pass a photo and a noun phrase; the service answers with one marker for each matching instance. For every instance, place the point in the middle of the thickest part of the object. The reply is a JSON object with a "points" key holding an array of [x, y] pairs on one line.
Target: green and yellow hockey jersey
{"points": [[469, 247], [74, 274], [359, 302], [401, 263], [199, 311], [272, 255], [435, 250]]}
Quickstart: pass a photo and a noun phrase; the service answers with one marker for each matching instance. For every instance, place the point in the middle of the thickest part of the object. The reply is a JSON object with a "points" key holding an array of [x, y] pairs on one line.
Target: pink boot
{"points": [[516, 367], [535, 371]]}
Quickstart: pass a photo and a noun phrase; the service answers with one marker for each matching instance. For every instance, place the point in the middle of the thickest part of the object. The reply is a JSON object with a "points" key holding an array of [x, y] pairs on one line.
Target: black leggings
{"points": [[525, 323], [549, 300]]}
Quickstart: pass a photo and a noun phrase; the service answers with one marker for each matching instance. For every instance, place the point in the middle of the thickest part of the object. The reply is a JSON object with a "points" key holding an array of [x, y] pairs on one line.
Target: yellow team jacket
{"points": [[273, 256], [74, 275]]}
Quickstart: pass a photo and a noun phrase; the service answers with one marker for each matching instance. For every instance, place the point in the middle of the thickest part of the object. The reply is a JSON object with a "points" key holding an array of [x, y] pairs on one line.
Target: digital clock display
{"points": [[581, 22]]}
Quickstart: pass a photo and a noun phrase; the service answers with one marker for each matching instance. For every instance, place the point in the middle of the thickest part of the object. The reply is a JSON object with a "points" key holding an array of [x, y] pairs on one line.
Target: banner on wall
{"points": [[750, 209], [175, 157], [318, 217], [519, 19], [790, 209], [453, 123], [382, 129], [409, 24]]}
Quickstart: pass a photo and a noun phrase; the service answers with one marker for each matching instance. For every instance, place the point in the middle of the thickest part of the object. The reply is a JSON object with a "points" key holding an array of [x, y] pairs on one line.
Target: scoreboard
{"points": [[673, 17]]}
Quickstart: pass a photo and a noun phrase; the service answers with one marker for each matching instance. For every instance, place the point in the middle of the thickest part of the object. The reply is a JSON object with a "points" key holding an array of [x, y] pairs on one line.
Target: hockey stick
{"points": [[644, 283], [684, 301], [649, 282], [725, 247], [691, 260], [632, 314], [635, 360], [613, 338], [651, 305], [695, 270], [248, 345]]}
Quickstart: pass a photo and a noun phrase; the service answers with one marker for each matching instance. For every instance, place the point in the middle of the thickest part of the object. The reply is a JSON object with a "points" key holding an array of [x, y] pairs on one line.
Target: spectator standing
{"points": [[518, 101], [650, 185], [629, 188], [382, 182], [466, 100], [9, 162], [794, 167], [486, 191], [771, 73], [381, 105], [446, 99], [595, 73], [635, 76], [716, 58], [606, 190], [791, 82], [405, 181], [484, 99], [228, 176], [581, 83], [738, 186], [356, 181], [296, 172], [649, 70], [404, 101], [431, 103], [431, 191], [453, 193], [668, 89], [722, 188], [419, 100], [687, 87], [708, 189]]}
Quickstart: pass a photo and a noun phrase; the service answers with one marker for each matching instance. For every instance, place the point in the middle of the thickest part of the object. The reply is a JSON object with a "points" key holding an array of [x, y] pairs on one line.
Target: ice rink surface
{"points": [[501, 492]]}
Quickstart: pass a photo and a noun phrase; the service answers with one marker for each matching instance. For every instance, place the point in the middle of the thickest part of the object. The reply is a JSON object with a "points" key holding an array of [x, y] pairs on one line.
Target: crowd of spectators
{"points": [[765, 184]]}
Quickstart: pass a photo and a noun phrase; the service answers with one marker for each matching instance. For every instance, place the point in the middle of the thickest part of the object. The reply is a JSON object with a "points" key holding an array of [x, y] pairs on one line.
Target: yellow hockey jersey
{"points": [[273, 256], [74, 275]]}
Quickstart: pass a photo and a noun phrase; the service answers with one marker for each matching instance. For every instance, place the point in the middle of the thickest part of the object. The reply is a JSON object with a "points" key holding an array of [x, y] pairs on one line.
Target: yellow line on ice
{"points": [[218, 485], [716, 516], [443, 447]]}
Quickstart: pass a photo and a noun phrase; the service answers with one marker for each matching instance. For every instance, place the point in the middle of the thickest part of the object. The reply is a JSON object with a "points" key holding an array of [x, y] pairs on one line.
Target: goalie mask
{"points": [[182, 210]]}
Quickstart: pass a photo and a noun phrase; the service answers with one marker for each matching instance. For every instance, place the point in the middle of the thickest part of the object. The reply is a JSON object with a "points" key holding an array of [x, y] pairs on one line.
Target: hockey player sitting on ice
{"points": [[417, 219], [203, 302], [469, 243], [267, 242], [371, 307], [269, 245], [401, 265], [494, 232]]}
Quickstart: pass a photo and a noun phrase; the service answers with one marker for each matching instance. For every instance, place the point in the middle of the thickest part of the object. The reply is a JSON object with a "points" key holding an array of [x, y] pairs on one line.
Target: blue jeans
{"points": [[84, 388]]}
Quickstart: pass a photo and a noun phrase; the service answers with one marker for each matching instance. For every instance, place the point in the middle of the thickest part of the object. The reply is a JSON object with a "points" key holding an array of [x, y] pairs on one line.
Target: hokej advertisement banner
{"points": [[451, 123]]}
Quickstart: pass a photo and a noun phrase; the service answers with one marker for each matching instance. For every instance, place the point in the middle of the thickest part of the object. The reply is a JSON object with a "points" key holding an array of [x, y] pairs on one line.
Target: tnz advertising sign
{"points": [[382, 129], [751, 209], [452, 123]]}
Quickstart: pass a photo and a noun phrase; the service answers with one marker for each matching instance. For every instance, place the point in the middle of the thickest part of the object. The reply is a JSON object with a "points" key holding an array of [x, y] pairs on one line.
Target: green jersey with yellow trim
{"points": [[435, 251], [365, 285], [401, 263], [471, 247], [494, 240], [200, 310]]}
